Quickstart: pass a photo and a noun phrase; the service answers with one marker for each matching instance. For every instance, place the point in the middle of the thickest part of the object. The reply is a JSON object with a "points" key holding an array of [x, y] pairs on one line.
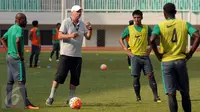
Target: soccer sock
{"points": [[31, 59], [9, 93], [53, 91], [136, 85], [173, 106], [52, 53], [36, 59], [71, 94], [57, 54], [129, 61], [153, 85], [186, 103], [23, 93]]}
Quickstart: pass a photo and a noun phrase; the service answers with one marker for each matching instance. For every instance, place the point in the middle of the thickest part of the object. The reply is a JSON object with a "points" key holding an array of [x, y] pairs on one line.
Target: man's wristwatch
{"points": [[90, 29]]}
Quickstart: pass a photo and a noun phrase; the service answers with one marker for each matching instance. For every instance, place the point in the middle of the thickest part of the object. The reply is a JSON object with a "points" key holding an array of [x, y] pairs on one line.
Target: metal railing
{"points": [[95, 5]]}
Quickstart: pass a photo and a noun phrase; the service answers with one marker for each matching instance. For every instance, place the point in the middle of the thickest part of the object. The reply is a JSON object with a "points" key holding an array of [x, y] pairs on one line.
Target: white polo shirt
{"points": [[72, 46]]}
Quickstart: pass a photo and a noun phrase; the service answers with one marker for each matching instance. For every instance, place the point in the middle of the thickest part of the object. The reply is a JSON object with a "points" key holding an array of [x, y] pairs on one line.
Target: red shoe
{"points": [[32, 107]]}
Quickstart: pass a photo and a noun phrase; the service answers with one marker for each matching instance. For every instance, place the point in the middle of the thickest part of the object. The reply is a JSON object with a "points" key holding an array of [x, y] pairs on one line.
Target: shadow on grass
{"points": [[55, 106], [195, 100], [104, 104]]}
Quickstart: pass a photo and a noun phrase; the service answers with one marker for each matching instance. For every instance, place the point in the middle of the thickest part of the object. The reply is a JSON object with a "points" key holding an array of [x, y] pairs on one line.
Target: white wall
{"points": [[112, 35], [113, 23]]}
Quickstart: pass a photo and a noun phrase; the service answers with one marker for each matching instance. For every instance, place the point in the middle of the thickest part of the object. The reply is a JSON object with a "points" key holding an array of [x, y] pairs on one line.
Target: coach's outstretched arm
{"points": [[89, 28], [195, 45], [88, 34], [154, 47]]}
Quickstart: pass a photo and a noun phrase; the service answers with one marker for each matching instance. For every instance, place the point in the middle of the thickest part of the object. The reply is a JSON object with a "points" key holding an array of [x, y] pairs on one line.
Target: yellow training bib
{"points": [[173, 40], [138, 41]]}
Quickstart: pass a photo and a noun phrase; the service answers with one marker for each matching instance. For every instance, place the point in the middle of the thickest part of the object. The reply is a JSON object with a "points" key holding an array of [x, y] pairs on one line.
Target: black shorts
{"points": [[35, 49], [139, 63], [66, 64], [56, 47]]}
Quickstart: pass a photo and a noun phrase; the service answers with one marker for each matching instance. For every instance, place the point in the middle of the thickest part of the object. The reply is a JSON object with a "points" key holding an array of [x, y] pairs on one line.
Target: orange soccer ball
{"points": [[75, 103], [103, 67]]}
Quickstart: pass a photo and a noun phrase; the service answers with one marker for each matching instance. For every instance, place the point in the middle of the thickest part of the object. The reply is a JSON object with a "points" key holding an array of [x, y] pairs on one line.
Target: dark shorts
{"points": [[35, 49], [66, 64], [139, 63], [175, 76], [16, 70], [56, 47]]}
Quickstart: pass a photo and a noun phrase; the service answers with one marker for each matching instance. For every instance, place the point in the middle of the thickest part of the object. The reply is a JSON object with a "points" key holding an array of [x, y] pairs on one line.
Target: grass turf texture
{"points": [[100, 91]]}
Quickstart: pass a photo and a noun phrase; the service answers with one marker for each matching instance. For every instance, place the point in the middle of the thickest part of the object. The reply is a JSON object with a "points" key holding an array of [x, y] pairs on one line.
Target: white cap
{"points": [[76, 8]]}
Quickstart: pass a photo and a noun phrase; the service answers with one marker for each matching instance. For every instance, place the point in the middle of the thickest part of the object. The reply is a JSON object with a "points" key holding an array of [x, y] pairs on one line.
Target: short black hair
{"points": [[170, 9], [137, 12], [131, 22], [35, 23], [58, 24]]}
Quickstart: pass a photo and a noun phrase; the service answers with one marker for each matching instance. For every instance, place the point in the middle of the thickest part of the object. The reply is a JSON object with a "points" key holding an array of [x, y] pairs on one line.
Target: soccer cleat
{"points": [[10, 106], [49, 101], [158, 100], [67, 102], [37, 66], [139, 99], [32, 107], [50, 59]]}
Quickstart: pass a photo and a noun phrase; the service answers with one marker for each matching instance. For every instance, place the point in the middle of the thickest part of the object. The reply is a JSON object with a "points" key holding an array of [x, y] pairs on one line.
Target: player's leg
{"points": [[75, 71], [129, 62], [170, 85], [37, 53], [128, 57], [52, 53], [135, 72], [183, 80], [10, 83], [62, 71], [57, 51], [32, 55], [148, 70], [19, 75]]}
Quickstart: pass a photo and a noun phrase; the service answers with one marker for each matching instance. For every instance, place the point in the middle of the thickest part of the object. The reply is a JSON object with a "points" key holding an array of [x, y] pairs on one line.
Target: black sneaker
{"points": [[139, 99], [158, 100], [49, 101]]}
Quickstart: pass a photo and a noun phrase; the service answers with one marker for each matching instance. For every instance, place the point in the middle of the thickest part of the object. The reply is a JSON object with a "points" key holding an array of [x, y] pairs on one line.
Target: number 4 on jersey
{"points": [[174, 36]]}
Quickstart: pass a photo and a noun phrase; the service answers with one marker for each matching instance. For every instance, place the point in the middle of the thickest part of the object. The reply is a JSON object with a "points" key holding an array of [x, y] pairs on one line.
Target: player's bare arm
{"points": [[154, 46], [39, 41], [54, 37], [61, 35], [195, 44], [121, 41], [30, 35], [20, 55], [149, 47], [4, 43]]}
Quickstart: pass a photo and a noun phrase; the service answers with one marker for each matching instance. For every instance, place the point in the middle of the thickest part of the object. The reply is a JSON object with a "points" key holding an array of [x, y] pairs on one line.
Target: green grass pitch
{"points": [[100, 91]]}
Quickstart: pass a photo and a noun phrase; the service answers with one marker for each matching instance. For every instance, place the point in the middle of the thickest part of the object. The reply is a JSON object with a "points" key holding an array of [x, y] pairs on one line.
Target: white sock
{"points": [[71, 94], [53, 91]]}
